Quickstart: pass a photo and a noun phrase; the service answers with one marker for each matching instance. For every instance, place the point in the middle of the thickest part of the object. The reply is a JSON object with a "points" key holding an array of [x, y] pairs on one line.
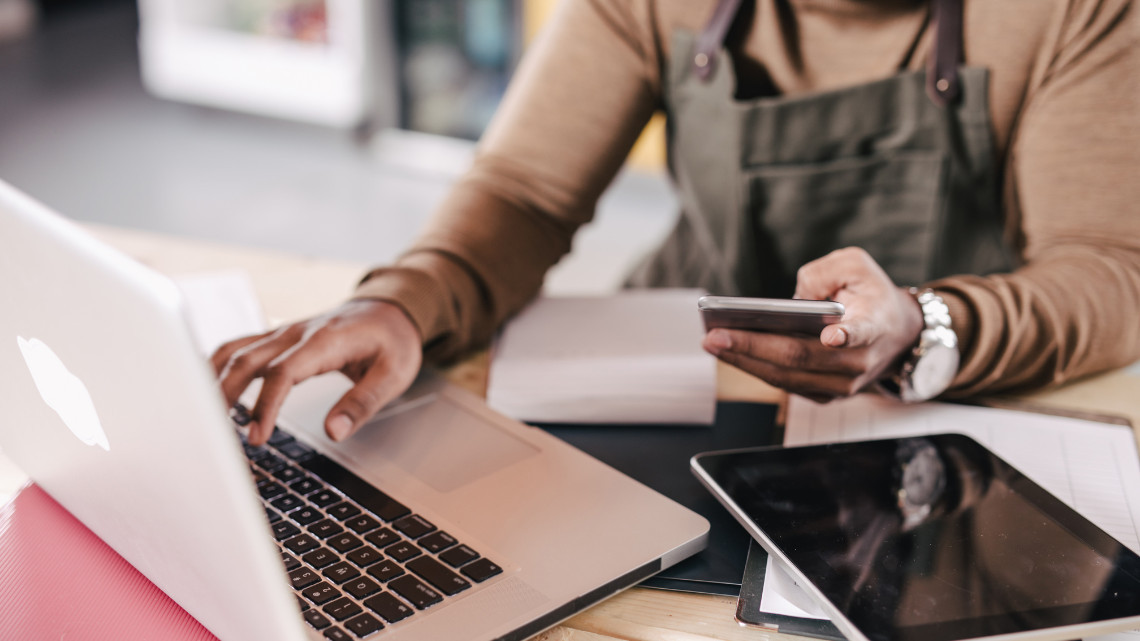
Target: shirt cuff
{"points": [[963, 323], [410, 289]]}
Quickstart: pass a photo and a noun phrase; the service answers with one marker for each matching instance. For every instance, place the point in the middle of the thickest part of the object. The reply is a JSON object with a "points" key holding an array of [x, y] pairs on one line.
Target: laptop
{"points": [[440, 519]]}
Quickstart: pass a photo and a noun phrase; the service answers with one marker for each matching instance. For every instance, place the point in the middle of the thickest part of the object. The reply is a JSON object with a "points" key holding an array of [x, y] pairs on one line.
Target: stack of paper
{"points": [[634, 357]]}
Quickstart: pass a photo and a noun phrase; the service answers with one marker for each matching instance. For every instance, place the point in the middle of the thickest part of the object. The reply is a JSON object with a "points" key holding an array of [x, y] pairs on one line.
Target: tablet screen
{"points": [[931, 538]]}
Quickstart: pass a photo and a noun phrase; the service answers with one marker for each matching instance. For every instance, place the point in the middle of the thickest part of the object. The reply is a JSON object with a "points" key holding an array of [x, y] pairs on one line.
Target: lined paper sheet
{"points": [[1093, 467]]}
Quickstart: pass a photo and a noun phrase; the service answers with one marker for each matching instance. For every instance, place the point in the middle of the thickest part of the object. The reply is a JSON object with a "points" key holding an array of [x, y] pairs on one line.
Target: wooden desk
{"points": [[293, 287]]}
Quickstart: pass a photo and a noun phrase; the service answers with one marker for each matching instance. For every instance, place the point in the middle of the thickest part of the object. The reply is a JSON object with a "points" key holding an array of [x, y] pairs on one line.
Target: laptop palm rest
{"points": [[431, 438], [439, 443]]}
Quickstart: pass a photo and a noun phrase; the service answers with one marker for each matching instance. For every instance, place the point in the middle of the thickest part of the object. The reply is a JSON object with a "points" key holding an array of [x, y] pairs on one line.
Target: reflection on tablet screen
{"points": [[931, 538]]}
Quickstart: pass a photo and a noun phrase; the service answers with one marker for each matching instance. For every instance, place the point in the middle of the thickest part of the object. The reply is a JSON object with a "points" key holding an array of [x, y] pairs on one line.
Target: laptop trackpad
{"points": [[440, 443]]}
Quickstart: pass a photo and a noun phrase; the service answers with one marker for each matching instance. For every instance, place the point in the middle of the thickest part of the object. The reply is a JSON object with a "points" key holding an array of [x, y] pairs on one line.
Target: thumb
{"points": [[360, 403], [824, 277], [851, 333]]}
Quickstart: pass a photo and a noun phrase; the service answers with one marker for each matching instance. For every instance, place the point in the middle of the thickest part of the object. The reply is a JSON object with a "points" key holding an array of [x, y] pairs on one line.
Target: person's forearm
{"points": [[1070, 313], [480, 260], [574, 109]]}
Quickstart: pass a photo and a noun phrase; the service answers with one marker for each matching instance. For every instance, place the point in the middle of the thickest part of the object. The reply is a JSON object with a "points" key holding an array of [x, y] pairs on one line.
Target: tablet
{"points": [[930, 538]]}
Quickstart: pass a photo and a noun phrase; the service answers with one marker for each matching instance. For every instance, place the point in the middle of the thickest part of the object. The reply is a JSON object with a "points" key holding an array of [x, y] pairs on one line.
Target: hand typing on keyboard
{"points": [[372, 342]]}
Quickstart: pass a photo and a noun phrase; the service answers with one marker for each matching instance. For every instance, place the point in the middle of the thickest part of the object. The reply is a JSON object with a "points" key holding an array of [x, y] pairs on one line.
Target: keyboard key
{"points": [[272, 515], [287, 502], [324, 498], [336, 634], [342, 608], [364, 556], [383, 538], [402, 551], [302, 578], [296, 450], [389, 607], [303, 604], [279, 438], [270, 490], [271, 463], [321, 557], [344, 542], [240, 414], [306, 515], [291, 563], [437, 542], [361, 587], [285, 529], [302, 543], [341, 572], [317, 620], [288, 474], [438, 575], [342, 511], [458, 556], [481, 570], [259, 478], [413, 526], [356, 488], [306, 486], [363, 625], [415, 591], [321, 593], [386, 570], [362, 524], [326, 528]]}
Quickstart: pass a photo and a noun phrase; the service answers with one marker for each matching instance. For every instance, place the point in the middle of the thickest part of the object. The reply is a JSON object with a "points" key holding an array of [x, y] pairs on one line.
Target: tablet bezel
{"points": [[705, 466]]}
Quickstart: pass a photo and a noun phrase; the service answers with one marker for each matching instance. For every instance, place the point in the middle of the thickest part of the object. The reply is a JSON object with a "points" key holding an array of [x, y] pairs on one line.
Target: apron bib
{"points": [[902, 167]]}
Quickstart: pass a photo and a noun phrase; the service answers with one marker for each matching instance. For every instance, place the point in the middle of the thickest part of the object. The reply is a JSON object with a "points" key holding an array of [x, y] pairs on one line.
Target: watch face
{"points": [[934, 371]]}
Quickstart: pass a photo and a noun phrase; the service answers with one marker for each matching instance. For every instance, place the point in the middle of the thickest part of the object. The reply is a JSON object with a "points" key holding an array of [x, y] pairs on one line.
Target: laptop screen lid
{"points": [[106, 403], [136, 445]]}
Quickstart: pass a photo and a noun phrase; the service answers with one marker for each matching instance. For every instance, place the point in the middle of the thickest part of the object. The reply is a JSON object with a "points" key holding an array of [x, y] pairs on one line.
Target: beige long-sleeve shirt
{"points": [[1065, 109]]}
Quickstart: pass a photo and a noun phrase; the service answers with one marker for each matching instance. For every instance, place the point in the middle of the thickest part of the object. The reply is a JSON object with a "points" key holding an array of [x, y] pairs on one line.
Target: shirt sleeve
{"points": [[574, 109], [1073, 173]]}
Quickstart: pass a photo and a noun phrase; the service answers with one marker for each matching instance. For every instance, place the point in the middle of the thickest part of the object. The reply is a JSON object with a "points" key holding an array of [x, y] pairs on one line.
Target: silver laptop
{"points": [[439, 520]]}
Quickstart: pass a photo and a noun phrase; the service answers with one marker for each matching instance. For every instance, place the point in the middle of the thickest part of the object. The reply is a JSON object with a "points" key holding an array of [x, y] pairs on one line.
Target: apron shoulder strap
{"points": [[712, 38], [942, 82]]}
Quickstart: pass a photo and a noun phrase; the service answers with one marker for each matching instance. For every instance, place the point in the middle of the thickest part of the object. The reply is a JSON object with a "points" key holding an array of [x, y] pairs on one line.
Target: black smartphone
{"points": [[778, 315]]}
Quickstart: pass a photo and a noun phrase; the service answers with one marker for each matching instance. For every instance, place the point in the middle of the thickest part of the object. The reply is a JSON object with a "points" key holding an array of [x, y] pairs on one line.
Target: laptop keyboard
{"points": [[357, 558]]}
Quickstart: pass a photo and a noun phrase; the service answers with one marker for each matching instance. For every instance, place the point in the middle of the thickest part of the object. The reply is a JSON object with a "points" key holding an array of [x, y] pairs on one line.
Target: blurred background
{"points": [[329, 128]]}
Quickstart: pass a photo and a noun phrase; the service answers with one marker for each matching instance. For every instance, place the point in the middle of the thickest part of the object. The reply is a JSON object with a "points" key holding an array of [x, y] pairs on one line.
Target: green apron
{"points": [[904, 168]]}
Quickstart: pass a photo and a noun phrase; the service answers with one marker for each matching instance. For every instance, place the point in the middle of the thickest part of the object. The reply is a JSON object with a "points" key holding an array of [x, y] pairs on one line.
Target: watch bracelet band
{"points": [[935, 311], [935, 317]]}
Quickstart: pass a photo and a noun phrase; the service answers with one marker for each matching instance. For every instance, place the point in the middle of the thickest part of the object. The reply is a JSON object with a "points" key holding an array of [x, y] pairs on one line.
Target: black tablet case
{"points": [[658, 456], [748, 606]]}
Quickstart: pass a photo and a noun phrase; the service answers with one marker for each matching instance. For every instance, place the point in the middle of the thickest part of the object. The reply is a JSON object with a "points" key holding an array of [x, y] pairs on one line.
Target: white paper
{"points": [[220, 306], [634, 357], [782, 594], [1093, 467], [1133, 369]]}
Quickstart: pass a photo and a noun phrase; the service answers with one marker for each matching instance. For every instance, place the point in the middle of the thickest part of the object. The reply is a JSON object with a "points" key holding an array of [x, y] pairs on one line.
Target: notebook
{"points": [[107, 405]]}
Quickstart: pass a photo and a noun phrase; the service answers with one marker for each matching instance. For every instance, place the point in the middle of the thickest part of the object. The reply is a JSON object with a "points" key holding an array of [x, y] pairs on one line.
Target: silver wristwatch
{"points": [[932, 364]]}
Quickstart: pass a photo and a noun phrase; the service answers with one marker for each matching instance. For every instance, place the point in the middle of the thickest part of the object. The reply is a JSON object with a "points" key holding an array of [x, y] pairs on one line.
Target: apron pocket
{"points": [[890, 205]]}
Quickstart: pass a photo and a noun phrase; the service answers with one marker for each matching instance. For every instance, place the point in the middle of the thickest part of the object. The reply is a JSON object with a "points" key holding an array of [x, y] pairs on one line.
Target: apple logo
{"points": [[63, 392]]}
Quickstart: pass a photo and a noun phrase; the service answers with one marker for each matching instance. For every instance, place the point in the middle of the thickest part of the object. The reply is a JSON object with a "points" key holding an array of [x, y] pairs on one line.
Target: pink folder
{"points": [[60, 581]]}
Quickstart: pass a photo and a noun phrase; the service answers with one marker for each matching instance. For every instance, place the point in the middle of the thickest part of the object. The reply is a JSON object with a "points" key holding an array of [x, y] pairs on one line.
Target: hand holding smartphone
{"points": [[777, 315]]}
